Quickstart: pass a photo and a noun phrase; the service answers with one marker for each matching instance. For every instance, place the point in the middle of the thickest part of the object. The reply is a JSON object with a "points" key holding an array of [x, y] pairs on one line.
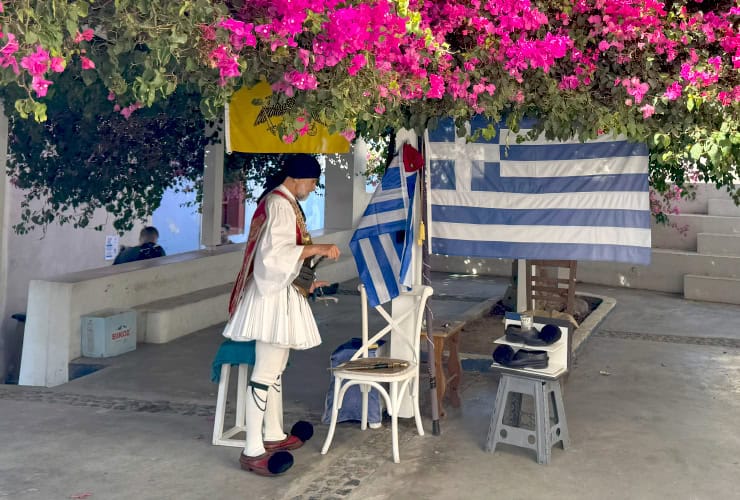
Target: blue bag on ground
{"points": [[352, 402]]}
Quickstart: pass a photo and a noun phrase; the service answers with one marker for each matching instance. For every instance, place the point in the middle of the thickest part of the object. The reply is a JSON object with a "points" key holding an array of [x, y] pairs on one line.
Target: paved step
{"points": [[723, 208], [718, 244], [669, 238], [712, 289]]}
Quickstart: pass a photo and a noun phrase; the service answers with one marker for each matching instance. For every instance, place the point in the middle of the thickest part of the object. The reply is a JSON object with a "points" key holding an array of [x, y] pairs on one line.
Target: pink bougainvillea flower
{"points": [[86, 35], [58, 64], [226, 62], [647, 111], [301, 80], [36, 63], [87, 63], [2, 9], [111, 96], [673, 92], [348, 134], [358, 62], [40, 86], [6, 54], [289, 138], [436, 87], [207, 31], [128, 110], [242, 34]]}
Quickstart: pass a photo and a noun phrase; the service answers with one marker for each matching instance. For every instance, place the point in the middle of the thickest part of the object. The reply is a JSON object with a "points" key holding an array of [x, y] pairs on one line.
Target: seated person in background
{"points": [[225, 228], [147, 249]]}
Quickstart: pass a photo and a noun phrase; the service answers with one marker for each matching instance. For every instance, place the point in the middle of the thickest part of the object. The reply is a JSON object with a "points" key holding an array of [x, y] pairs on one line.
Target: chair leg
{"points": [[241, 396], [364, 389], [395, 403], [336, 404], [218, 420]]}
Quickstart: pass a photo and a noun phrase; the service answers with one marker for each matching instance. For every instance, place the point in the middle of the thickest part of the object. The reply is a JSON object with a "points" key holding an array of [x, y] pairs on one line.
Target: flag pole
{"points": [[426, 279]]}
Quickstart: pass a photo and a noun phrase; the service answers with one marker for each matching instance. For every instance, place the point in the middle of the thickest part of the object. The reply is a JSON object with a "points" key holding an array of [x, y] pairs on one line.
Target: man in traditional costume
{"points": [[268, 307]]}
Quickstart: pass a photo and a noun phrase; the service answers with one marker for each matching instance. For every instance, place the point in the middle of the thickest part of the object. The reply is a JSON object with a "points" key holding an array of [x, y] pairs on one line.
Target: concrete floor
{"points": [[662, 423]]}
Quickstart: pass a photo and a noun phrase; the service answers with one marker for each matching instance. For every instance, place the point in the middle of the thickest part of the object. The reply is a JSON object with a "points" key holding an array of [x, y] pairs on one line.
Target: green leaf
{"points": [[696, 151]]}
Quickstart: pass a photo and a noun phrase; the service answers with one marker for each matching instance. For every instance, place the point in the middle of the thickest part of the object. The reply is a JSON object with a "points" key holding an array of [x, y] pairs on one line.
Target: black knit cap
{"points": [[302, 166]]}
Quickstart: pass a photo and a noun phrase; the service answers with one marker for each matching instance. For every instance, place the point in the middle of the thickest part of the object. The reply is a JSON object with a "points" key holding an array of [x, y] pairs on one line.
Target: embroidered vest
{"points": [[256, 227]]}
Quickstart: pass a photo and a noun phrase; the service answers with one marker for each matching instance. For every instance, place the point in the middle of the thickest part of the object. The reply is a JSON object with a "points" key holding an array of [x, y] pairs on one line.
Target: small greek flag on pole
{"points": [[382, 242], [538, 199]]}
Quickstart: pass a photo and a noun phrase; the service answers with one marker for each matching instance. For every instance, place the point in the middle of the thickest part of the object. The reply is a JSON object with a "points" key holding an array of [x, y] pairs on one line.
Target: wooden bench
{"points": [[446, 336]]}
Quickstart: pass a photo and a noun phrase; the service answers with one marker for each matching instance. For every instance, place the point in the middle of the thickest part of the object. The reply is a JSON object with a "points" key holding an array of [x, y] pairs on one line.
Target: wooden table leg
{"points": [[439, 345], [454, 370]]}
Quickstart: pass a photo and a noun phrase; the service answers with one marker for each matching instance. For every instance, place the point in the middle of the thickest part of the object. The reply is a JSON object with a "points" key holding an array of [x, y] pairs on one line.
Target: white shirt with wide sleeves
{"points": [[271, 309]]}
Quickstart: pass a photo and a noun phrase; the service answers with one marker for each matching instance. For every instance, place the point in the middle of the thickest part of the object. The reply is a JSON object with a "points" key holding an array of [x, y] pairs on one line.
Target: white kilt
{"points": [[284, 318]]}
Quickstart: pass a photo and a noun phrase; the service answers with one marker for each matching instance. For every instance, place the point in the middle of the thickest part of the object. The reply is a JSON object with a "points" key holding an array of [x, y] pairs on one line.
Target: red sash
{"points": [[255, 232]]}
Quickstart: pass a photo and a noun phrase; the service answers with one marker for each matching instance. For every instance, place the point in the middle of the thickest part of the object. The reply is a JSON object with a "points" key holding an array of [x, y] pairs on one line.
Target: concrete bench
{"points": [[164, 320], [180, 294]]}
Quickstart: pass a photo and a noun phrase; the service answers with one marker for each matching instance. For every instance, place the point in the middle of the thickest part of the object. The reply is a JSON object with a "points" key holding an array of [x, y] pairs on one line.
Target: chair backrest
{"points": [[421, 294], [546, 290]]}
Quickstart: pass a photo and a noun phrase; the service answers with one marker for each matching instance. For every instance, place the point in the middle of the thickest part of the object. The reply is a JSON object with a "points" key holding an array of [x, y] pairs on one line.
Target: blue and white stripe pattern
{"points": [[538, 199], [381, 244]]}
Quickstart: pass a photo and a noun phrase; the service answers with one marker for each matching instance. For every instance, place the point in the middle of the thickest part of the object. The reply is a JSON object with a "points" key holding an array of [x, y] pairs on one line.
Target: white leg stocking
{"points": [[269, 364]]}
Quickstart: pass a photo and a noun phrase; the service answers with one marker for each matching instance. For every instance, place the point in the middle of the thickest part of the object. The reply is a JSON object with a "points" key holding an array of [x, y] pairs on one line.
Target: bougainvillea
{"points": [[666, 73]]}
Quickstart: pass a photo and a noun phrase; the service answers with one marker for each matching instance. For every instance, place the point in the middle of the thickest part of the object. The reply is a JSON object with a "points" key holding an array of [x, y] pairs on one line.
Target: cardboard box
{"points": [[108, 333]]}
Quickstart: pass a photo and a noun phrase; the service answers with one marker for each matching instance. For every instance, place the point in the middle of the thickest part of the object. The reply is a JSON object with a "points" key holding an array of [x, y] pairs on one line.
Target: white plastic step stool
{"points": [[549, 428], [223, 437]]}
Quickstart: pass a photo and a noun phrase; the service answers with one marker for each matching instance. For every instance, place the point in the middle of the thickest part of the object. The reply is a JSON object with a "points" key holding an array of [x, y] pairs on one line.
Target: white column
{"points": [[401, 348], [213, 192], [4, 229], [521, 286], [345, 196]]}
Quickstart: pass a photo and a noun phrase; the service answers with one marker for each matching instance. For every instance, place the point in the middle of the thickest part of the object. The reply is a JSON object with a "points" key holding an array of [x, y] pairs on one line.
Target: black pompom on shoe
{"points": [[503, 354], [302, 430], [549, 334], [267, 464]]}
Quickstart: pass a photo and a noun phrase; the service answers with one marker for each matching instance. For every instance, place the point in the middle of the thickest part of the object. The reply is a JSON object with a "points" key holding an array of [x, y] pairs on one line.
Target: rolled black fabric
{"points": [[503, 354], [302, 166], [549, 334]]}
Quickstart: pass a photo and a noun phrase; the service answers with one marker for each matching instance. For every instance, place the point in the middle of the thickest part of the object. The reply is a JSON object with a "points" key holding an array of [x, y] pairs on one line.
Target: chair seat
{"points": [[378, 374]]}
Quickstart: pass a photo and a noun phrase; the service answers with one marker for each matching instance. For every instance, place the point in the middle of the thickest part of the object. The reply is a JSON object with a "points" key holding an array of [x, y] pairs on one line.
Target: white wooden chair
{"points": [[398, 378]]}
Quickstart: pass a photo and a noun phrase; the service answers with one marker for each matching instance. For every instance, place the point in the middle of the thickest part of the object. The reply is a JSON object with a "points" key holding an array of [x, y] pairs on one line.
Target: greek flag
{"points": [[381, 244], [538, 199]]}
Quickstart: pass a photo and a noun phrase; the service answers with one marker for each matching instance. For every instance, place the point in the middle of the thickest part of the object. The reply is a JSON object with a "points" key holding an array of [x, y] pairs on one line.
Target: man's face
{"points": [[304, 187]]}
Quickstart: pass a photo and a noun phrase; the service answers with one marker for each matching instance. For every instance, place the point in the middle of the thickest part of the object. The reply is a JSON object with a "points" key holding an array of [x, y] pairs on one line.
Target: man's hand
{"points": [[318, 284], [323, 249], [327, 250]]}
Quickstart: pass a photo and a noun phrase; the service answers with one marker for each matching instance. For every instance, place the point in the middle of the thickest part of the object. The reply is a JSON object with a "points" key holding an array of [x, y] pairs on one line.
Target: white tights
{"points": [[265, 399]]}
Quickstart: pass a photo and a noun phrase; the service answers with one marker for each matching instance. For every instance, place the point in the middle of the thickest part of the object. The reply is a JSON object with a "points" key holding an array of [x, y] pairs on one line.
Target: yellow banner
{"points": [[253, 129]]}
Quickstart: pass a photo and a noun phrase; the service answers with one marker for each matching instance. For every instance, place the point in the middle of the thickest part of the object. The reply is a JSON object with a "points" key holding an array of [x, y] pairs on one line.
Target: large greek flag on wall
{"points": [[381, 244], [538, 199]]}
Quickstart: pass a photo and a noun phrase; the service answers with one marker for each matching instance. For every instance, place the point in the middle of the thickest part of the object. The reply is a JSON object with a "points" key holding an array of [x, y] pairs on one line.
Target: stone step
{"points": [[665, 272], [718, 244], [698, 204], [670, 238], [723, 208], [712, 289]]}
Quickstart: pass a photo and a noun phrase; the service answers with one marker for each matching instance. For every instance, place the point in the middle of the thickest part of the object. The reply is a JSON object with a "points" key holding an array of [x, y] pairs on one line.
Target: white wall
{"points": [[38, 255]]}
